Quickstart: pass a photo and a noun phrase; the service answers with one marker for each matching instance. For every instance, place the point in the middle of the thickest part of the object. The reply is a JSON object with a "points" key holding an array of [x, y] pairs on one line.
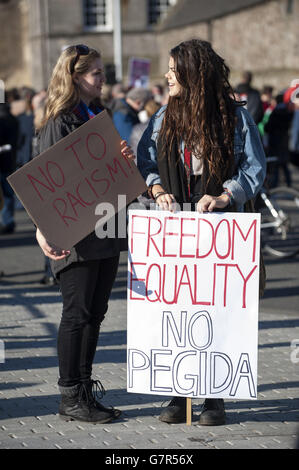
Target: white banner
{"points": [[193, 304]]}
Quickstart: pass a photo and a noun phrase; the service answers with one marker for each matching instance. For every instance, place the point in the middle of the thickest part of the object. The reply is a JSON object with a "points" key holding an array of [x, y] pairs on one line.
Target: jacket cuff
{"points": [[238, 194], [152, 179]]}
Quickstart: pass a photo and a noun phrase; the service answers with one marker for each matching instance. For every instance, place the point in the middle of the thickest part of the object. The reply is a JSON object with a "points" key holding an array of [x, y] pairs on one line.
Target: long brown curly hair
{"points": [[203, 114]]}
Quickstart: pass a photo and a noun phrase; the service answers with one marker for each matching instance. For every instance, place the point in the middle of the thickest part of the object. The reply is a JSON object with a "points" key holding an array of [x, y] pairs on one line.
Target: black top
{"points": [[91, 247], [9, 135]]}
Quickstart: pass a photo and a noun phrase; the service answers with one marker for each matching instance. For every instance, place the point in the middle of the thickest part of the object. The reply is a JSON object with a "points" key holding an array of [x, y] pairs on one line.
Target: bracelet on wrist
{"points": [[150, 192], [227, 193]]}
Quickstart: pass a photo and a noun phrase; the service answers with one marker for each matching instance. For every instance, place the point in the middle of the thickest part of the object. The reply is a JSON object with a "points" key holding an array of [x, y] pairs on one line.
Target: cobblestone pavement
{"points": [[29, 317]]}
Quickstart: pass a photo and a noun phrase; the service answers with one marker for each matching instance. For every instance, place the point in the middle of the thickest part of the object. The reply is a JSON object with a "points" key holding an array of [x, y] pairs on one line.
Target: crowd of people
{"points": [[276, 115], [186, 137], [277, 118]]}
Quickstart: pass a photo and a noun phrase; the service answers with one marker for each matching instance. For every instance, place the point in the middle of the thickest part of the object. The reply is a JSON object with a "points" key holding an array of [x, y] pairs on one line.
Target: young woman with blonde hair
{"points": [[86, 273]]}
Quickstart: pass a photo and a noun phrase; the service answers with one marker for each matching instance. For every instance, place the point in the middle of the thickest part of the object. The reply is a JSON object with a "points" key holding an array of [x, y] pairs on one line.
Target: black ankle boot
{"points": [[76, 405], [213, 413], [175, 411], [96, 392]]}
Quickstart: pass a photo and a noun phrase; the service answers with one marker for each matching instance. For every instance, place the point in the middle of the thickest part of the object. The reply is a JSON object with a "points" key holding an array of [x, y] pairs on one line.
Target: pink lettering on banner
{"points": [[208, 243]]}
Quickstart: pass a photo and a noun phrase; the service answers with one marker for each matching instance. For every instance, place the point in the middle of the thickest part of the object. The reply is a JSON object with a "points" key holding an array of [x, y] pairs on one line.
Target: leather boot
{"points": [[96, 392], [76, 405], [175, 411], [213, 413]]}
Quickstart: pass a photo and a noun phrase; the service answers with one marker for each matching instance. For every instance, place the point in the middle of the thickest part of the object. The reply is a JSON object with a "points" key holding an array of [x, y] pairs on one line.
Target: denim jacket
{"points": [[248, 149]]}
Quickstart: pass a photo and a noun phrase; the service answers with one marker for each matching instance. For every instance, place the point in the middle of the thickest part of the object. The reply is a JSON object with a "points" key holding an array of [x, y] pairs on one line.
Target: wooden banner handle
{"points": [[188, 411]]}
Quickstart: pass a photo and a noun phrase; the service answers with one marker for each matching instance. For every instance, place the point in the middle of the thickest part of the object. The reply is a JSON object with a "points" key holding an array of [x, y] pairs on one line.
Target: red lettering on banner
{"points": [[236, 225], [181, 283], [51, 177], [74, 202], [198, 238], [135, 279], [226, 266], [91, 187], [114, 169], [63, 215], [194, 298], [200, 284], [88, 203], [158, 295], [165, 234], [169, 302], [151, 235], [245, 282], [228, 239], [101, 180], [33, 180], [74, 152], [88, 149], [132, 229], [214, 283], [185, 235]]}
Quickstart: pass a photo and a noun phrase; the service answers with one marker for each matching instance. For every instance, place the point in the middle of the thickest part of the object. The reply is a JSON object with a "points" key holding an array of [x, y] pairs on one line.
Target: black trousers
{"points": [[85, 289]]}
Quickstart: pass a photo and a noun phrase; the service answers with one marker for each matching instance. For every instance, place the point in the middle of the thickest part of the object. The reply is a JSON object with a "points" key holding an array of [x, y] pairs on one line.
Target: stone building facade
{"points": [[262, 36], [15, 51]]}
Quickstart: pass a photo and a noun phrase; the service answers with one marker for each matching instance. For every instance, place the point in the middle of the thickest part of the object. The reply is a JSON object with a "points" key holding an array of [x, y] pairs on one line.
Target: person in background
{"points": [[294, 136], [22, 109], [277, 128], [251, 96], [87, 271], [126, 110], [190, 153], [118, 92], [1, 207], [150, 108], [165, 97], [269, 104], [12, 95], [267, 96], [9, 137], [106, 96], [39, 106], [25, 117], [291, 99], [157, 92]]}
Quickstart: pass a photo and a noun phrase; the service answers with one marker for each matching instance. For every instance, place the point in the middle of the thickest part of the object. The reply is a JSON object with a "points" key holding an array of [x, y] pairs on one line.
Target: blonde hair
{"points": [[63, 93], [151, 107]]}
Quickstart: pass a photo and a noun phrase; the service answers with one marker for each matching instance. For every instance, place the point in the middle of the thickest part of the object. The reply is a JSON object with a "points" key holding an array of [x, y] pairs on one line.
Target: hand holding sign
{"points": [[209, 203], [126, 150], [164, 200], [49, 249]]}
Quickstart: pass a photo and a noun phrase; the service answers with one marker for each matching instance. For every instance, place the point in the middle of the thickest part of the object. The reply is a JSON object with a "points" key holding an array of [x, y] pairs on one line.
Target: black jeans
{"points": [[85, 289]]}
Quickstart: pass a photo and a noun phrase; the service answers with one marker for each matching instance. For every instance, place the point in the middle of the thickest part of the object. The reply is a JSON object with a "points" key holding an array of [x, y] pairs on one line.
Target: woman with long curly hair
{"points": [[202, 148], [86, 273]]}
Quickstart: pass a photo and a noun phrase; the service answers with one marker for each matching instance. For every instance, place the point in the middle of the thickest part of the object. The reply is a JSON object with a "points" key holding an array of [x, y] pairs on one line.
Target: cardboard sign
{"points": [[193, 304], [61, 188]]}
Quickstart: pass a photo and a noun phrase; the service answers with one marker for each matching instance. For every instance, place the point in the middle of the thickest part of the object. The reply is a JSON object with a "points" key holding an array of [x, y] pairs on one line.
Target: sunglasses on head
{"points": [[81, 49]]}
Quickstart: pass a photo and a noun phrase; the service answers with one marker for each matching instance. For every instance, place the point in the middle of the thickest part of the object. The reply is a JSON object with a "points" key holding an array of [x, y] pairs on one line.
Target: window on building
{"points": [[97, 15], [157, 9]]}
